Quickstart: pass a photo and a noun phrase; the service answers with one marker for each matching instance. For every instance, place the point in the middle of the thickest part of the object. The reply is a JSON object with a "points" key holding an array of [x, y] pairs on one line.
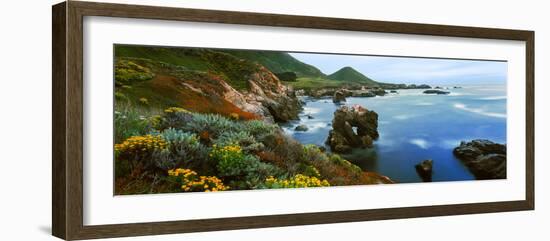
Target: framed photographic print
{"points": [[171, 120]]}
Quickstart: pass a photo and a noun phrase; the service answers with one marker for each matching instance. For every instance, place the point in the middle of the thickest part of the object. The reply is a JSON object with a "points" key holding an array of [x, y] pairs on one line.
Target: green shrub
{"points": [[313, 154], [244, 171], [183, 150], [230, 160], [259, 129], [143, 101], [287, 76], [127, 71], [173, 117], [130, 122], [258, 171], [338, 160], [243, 139], [297, 181], [334, 168], [138, 150], [189, 181], [119, 96], [287, 149], [236, 71], [212, 124], [311, 171]]}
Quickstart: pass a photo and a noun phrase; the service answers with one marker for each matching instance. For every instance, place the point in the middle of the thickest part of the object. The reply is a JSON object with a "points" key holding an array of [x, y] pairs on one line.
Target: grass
{"points": [[233, 70], [131, 120], [310, 83], [167, 55]]}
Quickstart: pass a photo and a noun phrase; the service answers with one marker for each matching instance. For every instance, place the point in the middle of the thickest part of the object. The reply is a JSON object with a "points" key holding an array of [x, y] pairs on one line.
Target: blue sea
{"points": [[413, 127]]}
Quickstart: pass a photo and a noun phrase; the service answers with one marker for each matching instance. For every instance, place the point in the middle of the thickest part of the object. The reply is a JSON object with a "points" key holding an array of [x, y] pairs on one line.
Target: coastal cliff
{"points": [[216, 82]]}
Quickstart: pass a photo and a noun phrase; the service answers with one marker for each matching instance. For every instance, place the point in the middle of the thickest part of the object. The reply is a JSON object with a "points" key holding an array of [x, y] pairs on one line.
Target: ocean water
{"points": [[413, 127]]}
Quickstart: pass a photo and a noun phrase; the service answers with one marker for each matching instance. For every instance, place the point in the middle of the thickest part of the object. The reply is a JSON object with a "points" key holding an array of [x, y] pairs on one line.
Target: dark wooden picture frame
{"points": [[67, 77]]}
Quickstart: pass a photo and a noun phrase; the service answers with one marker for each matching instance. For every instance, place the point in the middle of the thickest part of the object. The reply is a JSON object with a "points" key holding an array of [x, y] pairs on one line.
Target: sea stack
{"points": [[339, 96], [352, 127], [424, 170]]}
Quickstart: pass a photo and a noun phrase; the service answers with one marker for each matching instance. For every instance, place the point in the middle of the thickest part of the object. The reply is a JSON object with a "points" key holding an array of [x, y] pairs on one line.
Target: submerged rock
{"points": [[439, 92], [424, 170], [301, 128], [484, 158], [354, 127], [309, 117], [339, 96], [393, 91]]}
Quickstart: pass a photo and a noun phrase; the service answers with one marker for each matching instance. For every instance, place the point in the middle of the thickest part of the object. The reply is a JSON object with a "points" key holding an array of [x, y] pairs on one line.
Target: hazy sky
{"points": [[411, 70]]}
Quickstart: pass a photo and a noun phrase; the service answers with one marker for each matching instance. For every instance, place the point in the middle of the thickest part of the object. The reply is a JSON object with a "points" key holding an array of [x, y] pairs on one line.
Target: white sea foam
{"points": [[461, 106], [420, 143], [311, 110], [316, 125], [503, 97], [424, 103], [403, 117]]}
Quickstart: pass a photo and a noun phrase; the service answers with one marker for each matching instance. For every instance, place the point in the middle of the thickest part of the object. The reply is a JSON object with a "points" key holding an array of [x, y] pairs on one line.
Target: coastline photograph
{"points": [[207, 120]]}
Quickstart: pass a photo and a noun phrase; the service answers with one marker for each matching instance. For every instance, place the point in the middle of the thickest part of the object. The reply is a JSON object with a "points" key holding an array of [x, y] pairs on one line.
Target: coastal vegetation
{"points": [[207, 120], [189, 120]]}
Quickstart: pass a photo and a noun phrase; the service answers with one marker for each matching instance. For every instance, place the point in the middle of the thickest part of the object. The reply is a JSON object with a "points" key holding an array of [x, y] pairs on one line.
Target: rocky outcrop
{"points": [[338, 97], [484, 158], [438, 92], [352, 127], [363, 93], [379, 91], [424, 170], [301, 128], [266, 97]]}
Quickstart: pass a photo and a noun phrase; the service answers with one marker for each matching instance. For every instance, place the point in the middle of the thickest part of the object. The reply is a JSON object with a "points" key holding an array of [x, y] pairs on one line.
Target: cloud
{"points": [[412, 70]]}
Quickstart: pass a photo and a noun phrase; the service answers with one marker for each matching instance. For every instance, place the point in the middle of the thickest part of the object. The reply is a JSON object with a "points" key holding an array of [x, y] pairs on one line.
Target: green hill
{"points": [[235, 65], [278, 62], [349, 74], [193, 58]]}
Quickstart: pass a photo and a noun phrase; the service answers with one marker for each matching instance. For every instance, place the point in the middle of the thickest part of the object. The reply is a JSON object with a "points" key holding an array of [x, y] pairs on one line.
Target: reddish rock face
{"points": [[265, 98]]}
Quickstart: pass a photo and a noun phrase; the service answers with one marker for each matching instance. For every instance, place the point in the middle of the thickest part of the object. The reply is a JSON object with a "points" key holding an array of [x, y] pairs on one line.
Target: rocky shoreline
{"points": [[357, 127], [484, 158], [359, 91]]}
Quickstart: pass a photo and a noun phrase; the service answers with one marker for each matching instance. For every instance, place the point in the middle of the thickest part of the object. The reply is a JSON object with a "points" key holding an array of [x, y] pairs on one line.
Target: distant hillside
{"points": [[278, 62], [349, 74]]}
